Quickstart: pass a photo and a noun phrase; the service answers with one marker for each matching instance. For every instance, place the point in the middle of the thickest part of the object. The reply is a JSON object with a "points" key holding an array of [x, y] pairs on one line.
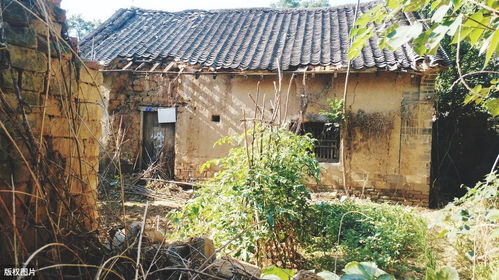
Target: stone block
{"points": [[52, 106], [91, 111], [40, 28], [16, 14], [81, 167], [90, 130], [231, 268], [57, 48], [20, 36], [424, 187], [89, 93], [30, 97], [56, 13], [91, 77], [7, 81], [58, 127], [33, 81], [27, 59]]}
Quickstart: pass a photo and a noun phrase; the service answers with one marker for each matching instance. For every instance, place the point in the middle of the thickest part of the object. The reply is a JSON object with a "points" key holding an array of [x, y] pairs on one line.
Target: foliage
{"points": [[464, 134], [471, 226], [443, 273], [274, 272], [364, 271], [80, 27], [352, 271], [258, 198], [335, 113], [300, 3], [466, 21], [386, 234]]}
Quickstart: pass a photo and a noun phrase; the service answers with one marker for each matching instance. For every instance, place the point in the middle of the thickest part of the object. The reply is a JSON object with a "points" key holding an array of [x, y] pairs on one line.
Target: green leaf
{"points": [[273, 277], [457, 4], [363, 20], [393, 4], [353, 277], [439, 14], [280, 273], [443, 233], [455, 25], [493, 46], [386, 277], [447, 273], [368, 269], [403, 34], [492, 106]]}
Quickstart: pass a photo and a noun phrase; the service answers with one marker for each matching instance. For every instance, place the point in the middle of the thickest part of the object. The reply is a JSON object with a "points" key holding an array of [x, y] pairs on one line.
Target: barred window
{"points": [[327, 148]]}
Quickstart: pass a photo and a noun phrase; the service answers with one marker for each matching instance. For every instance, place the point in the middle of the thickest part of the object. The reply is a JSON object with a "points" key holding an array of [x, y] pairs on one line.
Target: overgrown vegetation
{"points": [[463, 133], [391, 236], [471, 226], [254, 207], [257, 208]]}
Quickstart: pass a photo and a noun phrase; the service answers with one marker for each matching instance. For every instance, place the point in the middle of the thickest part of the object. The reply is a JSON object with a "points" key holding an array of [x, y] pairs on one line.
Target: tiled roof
{"points": [[245, 39]]}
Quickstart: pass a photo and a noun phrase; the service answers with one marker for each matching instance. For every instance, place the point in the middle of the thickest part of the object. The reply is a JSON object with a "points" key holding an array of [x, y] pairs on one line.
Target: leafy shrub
{"points": [[253, 205], [385, 234], [471, 225], [352, 271]]}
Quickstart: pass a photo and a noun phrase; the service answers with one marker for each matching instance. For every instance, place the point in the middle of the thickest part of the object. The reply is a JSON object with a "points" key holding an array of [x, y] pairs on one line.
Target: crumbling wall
{"points": [[50, 125], [383, 160]]}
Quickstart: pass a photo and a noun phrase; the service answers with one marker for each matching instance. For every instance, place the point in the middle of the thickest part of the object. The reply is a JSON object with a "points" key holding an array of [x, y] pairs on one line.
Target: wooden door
{"points": [[158, 146]]}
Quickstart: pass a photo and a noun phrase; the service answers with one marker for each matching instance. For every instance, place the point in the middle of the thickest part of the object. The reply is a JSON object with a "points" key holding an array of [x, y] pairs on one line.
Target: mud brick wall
{"points": [[50, 113], [387, 140], [127, 93]]}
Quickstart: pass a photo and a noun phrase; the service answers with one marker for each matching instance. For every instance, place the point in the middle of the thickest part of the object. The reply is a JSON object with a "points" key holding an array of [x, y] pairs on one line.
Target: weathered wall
{"points": [[50, 123], [387, 141]]}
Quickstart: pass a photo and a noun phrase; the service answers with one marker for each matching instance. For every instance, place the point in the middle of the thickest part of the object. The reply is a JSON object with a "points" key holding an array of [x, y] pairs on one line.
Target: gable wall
{"points": [[387, 143]]}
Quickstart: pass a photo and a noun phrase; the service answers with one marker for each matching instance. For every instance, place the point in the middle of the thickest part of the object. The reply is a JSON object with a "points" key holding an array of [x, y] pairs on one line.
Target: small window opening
{"points": [[215, 118], [327, 147]]}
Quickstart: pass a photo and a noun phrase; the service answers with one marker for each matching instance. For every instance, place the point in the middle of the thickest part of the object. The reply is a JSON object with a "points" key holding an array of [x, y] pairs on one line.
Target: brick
{"points": [[15, 14], [27, 59], [20, 36], [89, 93], [90, 111], [31, 98], [57, 48], [7, 81], [40, 28], [32, 81], [91, 77]]}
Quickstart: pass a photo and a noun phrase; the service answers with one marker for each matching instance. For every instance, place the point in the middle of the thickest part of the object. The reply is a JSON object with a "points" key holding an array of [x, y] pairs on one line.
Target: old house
{"points": [[177, 82]]}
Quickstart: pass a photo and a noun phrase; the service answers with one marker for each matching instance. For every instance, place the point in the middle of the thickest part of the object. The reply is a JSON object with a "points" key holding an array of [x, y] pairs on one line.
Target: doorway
{"points": [[158, 146]]}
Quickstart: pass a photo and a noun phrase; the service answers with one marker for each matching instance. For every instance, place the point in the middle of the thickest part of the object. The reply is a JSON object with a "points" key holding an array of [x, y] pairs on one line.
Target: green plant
{"points": [[471, 226], [386, 234], [352, 271], [443, 273], [364, 271], [335, 113], [464, 21], [255, 205]]}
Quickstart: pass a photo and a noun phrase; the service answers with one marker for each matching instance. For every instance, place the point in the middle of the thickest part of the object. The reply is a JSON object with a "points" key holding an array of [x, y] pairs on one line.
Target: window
{"points": [[215, 118], [327, 148]]}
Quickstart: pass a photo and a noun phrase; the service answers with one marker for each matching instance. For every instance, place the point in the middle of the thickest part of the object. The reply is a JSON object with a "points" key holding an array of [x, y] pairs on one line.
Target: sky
{"points": [[103, 9]]}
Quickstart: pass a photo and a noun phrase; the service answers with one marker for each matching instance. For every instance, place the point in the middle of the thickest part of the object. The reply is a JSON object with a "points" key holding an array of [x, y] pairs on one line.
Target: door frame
{"points": [[145, 108]]}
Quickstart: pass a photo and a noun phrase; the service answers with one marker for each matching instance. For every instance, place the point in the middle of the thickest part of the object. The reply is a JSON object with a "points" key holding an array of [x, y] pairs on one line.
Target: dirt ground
{"points": [[161, 198]]}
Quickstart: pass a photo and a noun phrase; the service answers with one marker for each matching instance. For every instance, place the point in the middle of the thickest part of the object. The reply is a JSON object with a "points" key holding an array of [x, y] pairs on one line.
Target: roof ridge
{"points": [[334, 7]]}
